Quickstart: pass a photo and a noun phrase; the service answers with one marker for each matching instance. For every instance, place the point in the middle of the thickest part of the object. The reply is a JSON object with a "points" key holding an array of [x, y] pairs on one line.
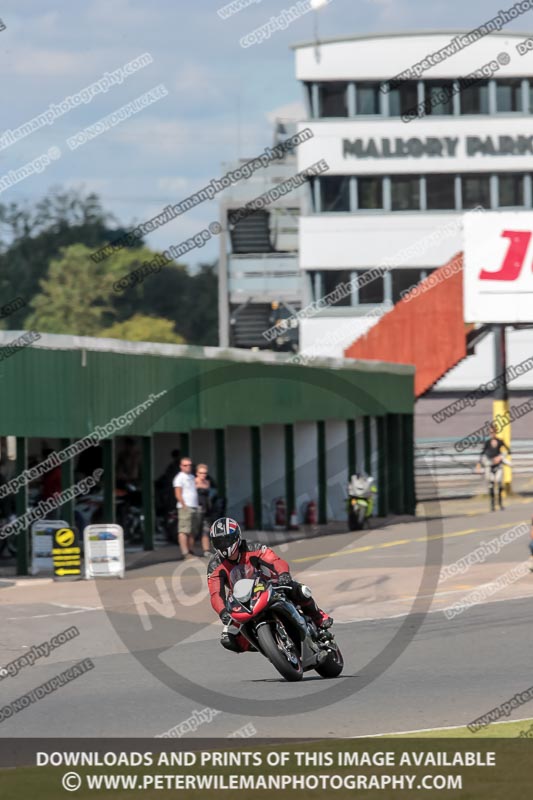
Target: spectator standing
{"points": [[204, 489], [188, 507]]}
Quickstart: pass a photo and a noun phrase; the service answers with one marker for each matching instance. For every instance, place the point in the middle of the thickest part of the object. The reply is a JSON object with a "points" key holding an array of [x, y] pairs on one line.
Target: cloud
{"points": [[45, 63], [195, 81], [290, 111], [173, 184]]}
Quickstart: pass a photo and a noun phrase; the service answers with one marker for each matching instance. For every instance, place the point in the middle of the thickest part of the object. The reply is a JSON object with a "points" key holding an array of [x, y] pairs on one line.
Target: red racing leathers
{"points": [[218, 570]]}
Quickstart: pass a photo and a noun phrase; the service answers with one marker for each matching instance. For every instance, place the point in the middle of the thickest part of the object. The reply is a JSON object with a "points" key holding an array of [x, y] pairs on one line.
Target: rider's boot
{"points": [[319, 617], [491, 492], [237, 644]]}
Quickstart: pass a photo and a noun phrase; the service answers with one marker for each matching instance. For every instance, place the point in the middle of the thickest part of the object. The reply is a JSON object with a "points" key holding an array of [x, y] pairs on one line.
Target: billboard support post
{"points": [[500, 403]]}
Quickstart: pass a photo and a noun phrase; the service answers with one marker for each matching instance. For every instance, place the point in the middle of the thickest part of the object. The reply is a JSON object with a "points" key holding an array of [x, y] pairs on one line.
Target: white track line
{"points": [[428, 730], [431, 611]]}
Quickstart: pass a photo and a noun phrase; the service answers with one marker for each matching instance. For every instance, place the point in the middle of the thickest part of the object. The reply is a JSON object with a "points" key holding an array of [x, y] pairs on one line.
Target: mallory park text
{"points": [[437, 147]]}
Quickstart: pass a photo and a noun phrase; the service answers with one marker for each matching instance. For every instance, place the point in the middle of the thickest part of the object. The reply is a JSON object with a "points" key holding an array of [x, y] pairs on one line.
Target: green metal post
{"points": [[255, 438], [21, 506], [148, 491], [220, 445], [367, 438], [290, 487], [352, 460], [108, 463], [394, 464], [67, 481], [408, 464], [322, 472], [383, 488]]}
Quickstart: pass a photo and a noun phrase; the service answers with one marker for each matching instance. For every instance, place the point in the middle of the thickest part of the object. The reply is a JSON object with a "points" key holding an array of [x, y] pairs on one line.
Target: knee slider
{"points": [[229, 642]]}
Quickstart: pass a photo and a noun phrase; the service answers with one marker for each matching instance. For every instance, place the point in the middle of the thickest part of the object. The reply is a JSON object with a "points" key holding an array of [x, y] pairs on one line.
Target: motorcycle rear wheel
{"points": [[277, 657]]}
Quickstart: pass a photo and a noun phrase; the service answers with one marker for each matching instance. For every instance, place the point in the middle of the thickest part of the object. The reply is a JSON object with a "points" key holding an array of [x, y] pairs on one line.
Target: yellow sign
{"points": [[65, 537], [66, 554]]}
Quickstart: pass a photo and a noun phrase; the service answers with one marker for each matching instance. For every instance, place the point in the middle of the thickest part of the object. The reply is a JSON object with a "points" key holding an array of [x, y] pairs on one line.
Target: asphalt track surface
{"points": [[444, 671]]}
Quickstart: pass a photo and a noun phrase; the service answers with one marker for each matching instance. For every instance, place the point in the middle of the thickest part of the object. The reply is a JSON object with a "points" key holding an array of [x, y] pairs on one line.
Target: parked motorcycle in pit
{"points": [[360, 502], [263, 613]]}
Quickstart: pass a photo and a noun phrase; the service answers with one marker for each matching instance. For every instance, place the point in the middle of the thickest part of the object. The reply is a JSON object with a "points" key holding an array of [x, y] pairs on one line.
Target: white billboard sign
{"points": [[498, 267], [103, 547]]}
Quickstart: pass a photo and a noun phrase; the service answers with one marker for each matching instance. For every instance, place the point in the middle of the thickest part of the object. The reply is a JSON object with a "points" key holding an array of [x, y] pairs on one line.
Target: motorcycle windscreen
{"points": [[242, 590], [241, 571]]}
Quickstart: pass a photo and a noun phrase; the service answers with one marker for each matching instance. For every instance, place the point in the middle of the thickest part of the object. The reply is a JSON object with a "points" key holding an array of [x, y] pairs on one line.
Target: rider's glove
{"points": [[225, 617], [285, 579]]}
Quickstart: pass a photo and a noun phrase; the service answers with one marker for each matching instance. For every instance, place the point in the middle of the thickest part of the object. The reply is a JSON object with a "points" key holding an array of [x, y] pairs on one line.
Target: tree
{"points": [[142, 328], [74, 297], [66, 292], [33, 236]]}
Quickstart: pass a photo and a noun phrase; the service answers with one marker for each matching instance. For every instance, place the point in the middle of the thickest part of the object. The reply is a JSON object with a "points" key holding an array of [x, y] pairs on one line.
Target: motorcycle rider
{"points": [[231, 549], [492, 458]]}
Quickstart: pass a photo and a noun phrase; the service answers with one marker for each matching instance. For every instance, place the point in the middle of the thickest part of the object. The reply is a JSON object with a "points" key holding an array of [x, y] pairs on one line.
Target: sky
{"points": [[218, 103]]}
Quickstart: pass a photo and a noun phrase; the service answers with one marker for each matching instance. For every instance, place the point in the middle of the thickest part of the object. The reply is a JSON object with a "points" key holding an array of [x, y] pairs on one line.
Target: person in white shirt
{"points": [[189, 516]]}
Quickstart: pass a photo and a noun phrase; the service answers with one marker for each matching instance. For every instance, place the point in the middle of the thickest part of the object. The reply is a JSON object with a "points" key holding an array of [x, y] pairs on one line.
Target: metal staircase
{"points": [[252, 234]]}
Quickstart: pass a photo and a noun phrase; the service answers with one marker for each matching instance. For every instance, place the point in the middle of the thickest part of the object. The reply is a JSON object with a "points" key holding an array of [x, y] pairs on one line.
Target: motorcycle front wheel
{"points": [[274, 649], [332, 666], [354, 520]]}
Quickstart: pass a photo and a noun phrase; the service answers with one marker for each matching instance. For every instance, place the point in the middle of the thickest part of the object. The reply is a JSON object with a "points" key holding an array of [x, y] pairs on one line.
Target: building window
{"points": [[333, 99], [338, 279], [371, 289], [403, 280], [309, 98], [405, 193], [508, 95], [440, 192], [367, 101], [369, 193], [474, 99], [335, 193], [403, 99], [313, 183], [476, 191], [511, 190], [438, 97]]}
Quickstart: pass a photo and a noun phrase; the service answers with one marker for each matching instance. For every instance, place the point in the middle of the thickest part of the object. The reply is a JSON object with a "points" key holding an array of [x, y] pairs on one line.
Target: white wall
{"points": [[383, 56], [360, 241], [479, 368], [330, 336], [238, 470], [336, 468], [305, 464], [272, 468], [412, 155]]}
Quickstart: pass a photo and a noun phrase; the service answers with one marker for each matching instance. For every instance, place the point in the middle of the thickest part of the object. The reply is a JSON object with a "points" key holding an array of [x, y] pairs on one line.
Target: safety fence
{"points": [[442, 472]]}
